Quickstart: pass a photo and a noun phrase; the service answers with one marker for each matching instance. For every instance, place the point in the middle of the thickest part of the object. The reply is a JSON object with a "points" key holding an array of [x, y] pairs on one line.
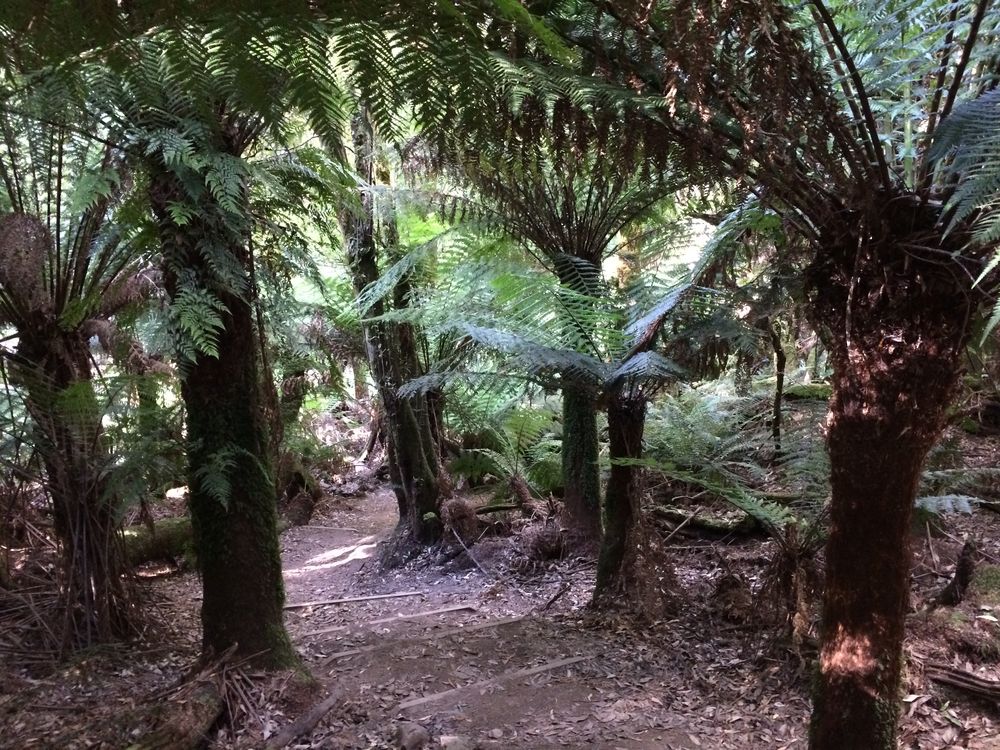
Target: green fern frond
{"points": [[213, 474], [196, 317]]}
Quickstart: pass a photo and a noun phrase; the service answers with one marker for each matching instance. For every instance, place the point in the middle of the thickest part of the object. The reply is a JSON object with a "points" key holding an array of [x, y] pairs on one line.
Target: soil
{"points": [[517, 660]]}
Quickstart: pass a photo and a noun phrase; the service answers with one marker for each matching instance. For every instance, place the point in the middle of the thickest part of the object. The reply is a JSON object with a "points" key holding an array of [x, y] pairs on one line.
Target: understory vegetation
{"points": [[687, 310]]}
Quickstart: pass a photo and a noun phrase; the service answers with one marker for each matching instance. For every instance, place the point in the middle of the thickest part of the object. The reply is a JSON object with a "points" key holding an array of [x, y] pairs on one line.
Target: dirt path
{"points": [[483, 659], [493, 670]]}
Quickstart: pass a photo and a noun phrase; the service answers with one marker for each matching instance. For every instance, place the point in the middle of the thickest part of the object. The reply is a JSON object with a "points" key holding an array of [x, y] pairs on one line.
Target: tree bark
{"points": [[236, 536], [581, 469], [894, 326], [626, 423]]}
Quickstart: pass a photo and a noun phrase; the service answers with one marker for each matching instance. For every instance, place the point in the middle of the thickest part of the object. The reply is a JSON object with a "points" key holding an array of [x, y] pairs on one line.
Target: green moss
{"points": [[971, 426], [812, 391], [171, 539], [956, 617], [986, 584]]}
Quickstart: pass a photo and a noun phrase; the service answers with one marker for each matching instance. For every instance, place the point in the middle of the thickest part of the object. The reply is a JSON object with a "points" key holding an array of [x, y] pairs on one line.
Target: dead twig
{"points": [[394, 618], [304, 724], [471, 556], [562, 590], [348, 600], [681, 525], [547, 667]]}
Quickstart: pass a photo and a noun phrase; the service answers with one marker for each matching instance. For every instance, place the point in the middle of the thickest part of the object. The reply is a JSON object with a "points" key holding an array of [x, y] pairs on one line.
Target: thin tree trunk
{"points": [[231, 482], [779, 382], [743, 374], [407, 430], [615, 576], [894, 327]]}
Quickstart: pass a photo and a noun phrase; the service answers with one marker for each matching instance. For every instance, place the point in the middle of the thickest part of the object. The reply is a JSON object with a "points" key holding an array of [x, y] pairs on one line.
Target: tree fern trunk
{"points": [[228, 444], [580, 468], [626, 423], [54, 370], [894, 327]]}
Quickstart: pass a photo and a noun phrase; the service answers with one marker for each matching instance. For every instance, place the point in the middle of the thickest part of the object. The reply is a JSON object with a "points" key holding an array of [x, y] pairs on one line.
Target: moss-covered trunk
{"points": [[236, 535], [626, 423], [895, 326], [579, 273], [230, 454], [581, 469]]}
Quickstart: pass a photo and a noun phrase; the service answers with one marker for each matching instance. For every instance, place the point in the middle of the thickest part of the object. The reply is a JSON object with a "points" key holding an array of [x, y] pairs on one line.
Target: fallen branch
{"points": [[348, 600], [548, 667], [330, 528], [182, 721], [681, 525], [562, 590], [304, 724], [185, 720], [394, 618], [471, 556], [482, 511], [962, 680]]}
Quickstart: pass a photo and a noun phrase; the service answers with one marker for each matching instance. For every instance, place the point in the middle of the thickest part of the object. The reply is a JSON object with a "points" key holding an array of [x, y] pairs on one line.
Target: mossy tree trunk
{"points": [[581, 469], [407, 426], [894, 325], [230, 453], [626, 423]]}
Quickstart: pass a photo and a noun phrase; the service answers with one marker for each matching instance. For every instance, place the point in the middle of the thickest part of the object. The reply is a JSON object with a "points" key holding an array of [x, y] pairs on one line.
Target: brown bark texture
{"points": [[616, 574], [894, 322]]}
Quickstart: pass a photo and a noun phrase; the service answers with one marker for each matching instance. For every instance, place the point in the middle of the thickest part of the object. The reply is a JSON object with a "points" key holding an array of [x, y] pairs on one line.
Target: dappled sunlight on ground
{"points": [[335, 558]]}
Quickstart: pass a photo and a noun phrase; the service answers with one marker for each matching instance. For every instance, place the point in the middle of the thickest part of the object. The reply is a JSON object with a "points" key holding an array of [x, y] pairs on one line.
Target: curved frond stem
{"points": [[870, 148], [963, 61], [924, 177], [859, 88]]}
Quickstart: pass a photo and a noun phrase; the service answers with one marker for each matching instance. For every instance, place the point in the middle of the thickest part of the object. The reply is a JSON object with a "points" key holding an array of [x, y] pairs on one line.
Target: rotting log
{"points": [[172, 539], [708, 525], [167, 540]]}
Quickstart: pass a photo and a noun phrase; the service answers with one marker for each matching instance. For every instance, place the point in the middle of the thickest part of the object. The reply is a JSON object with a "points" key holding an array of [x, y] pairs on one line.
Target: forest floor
{"points": [[481, 653]]}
